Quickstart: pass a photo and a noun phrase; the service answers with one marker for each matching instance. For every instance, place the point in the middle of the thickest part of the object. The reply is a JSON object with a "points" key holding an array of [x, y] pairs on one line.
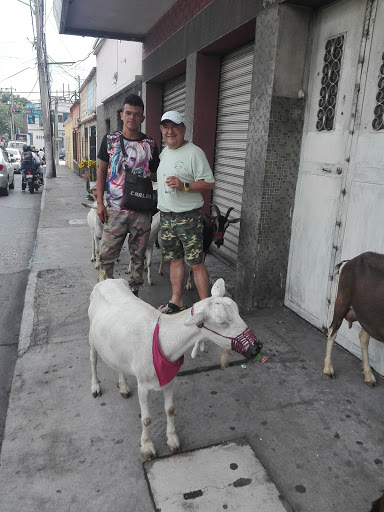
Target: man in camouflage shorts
{"points": [[183, 174]]}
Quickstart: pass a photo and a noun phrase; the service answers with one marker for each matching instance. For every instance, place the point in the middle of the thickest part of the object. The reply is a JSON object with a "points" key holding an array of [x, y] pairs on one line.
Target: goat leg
{"points": [[173, 441], [122, 385], [95, 383], [369, 378], [147, 448], [328, 367]]}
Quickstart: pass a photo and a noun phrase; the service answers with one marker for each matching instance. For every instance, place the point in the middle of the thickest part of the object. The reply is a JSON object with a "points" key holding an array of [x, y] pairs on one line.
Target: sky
{"points": [[18, 57]]}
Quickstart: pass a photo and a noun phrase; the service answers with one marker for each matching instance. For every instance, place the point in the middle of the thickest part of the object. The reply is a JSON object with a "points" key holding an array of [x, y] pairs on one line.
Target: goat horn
{"points": [[216, 208], [228, 212]]}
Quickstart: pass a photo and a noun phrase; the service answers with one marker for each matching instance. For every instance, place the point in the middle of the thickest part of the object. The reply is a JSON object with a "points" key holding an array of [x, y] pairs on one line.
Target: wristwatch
{"points": [[187, 187]]}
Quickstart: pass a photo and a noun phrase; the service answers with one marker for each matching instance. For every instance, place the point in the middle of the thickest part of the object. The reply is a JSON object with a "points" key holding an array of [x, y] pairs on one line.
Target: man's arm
{"points": [[197, 186], [100, 184]]}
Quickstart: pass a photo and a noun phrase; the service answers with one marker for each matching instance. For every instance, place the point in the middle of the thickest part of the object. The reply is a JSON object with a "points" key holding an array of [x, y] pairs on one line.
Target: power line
{"points": [[33, 87], [14, 74]]}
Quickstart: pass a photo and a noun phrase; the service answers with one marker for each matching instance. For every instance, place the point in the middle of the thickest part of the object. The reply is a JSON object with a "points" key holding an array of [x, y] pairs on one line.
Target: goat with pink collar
{"points": [[136, 339]]}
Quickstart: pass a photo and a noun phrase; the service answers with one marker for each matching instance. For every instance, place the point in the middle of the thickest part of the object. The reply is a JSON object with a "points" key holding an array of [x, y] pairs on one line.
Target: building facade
{"points": [[286, 97], [88, 117]]}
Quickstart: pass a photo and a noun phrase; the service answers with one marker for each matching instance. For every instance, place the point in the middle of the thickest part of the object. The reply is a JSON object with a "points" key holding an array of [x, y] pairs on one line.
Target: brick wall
{"points": [[177, 16]]}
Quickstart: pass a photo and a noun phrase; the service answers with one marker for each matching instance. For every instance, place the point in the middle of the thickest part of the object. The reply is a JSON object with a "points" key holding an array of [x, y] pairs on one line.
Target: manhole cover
{"points": [[226, 477]]}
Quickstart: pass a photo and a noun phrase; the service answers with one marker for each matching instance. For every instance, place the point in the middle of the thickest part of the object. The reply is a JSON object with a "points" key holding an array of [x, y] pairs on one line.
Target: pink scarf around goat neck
{"points": [[165, 369]]}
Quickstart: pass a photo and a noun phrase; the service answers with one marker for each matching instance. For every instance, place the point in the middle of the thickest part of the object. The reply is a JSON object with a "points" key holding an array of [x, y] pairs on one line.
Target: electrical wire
{"points": [[33, 88], [14, 74]]}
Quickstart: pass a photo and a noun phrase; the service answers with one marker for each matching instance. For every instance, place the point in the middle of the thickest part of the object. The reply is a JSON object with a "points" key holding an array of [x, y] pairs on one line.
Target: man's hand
{"points": [[174, 182], [102, 212]]}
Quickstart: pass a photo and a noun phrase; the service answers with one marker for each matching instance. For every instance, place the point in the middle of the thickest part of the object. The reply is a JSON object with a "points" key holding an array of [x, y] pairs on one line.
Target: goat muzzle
{"points": [[246, 344], [218, 238]]}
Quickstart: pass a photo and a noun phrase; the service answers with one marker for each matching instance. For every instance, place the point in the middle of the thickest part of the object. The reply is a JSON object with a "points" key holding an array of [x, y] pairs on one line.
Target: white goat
{"points": [[155, 228], [96, 231], [122, 329]]}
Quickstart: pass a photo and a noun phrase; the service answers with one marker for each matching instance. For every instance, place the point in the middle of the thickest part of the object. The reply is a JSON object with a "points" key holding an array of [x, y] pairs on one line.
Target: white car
{"points": [[15, 154], [7, 174]]}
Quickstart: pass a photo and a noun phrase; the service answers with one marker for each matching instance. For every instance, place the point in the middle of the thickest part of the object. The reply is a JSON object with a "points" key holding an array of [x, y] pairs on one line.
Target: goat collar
{"points": [[240, 343]]}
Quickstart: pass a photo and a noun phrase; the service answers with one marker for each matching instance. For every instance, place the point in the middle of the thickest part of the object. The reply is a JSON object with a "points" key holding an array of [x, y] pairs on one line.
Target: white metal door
{"points": [[324, 168], [362, 219], [231, 140]]}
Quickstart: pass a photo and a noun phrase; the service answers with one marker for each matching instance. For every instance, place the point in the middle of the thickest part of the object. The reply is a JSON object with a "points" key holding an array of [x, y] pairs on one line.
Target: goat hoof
{"points": [[126, 395], [92, 259], [149, 453], [173, 449], [96, 393]]}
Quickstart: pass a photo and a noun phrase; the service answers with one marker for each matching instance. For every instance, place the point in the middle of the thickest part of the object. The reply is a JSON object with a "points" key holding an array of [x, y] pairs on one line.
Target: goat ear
{"points": [[218, 289], [195, 319], [232, 221]]}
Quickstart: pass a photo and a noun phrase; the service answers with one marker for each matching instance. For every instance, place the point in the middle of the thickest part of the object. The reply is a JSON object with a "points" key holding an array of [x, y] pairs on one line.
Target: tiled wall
{"points": [[279, 187]]}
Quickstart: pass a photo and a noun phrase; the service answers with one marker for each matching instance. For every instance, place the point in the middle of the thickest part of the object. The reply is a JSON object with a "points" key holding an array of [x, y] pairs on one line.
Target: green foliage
{"points": [[19, 104]]}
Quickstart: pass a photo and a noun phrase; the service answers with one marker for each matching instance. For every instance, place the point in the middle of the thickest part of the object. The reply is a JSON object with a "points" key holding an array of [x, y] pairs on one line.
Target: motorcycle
{"points": [[33, 181]]}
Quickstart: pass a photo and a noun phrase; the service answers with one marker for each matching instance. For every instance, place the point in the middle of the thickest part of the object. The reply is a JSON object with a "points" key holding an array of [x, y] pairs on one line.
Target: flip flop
{"points": [[171, 308]]}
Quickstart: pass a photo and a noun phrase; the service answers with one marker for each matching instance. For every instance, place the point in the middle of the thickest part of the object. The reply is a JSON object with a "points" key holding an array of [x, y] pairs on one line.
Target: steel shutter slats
{"points": [[174, 96], [231, 141]]}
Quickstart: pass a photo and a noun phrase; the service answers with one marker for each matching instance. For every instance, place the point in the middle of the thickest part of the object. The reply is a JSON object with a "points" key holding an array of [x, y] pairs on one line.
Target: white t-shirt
{"points": [[189, 164]]}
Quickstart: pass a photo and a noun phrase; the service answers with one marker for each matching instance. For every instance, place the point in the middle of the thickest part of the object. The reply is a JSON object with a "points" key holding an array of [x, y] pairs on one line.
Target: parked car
{"points": [[7, 174], [15, 153]]}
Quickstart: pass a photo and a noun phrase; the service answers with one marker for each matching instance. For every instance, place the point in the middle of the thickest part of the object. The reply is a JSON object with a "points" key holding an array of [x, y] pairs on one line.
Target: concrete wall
{"points": [[117, 63], [215, 21]]}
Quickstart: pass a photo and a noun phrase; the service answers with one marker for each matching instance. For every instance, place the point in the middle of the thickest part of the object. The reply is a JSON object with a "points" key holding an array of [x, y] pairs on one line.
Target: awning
{"points": [[127, 20]]}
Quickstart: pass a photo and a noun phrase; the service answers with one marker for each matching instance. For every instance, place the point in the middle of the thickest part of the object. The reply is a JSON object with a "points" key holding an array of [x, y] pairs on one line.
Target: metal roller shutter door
{"points": [[231, 141], [174, 96]]}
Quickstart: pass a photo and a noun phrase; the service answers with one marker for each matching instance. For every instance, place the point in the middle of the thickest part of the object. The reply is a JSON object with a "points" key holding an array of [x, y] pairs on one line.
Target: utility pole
{"points": [[44, 90], [56, 131], [12, 121]]}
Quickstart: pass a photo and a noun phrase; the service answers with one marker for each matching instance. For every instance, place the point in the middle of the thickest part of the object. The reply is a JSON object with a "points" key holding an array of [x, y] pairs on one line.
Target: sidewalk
{"points": [[320, 442]]}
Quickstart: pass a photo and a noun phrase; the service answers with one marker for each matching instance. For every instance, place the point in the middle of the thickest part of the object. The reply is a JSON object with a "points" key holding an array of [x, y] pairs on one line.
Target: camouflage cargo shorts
{"points": [[182, 235]]}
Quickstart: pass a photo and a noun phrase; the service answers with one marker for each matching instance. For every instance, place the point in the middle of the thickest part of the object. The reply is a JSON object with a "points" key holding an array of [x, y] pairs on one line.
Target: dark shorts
{"points": [[182, 236]]}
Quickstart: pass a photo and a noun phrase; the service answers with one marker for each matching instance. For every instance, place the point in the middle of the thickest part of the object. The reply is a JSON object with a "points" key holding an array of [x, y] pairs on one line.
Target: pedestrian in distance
{"points": [[184, 172], [125, 156]]}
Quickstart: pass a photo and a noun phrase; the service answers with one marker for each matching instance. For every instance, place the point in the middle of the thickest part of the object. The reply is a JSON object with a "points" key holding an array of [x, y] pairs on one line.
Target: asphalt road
{"points": [[19, 216]]}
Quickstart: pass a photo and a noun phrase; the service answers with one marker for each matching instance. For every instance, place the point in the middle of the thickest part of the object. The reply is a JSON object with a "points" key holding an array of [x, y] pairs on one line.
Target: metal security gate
{"points": [[231, 141], [174, 96]]}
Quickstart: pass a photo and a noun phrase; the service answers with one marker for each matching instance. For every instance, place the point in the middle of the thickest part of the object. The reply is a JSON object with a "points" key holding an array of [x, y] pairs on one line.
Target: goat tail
{"points": [[339, 266], [223, 359]]}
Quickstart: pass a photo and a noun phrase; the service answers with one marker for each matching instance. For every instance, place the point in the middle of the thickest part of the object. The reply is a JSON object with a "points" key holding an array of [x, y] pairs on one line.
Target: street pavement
{"points": [[254, 434]]}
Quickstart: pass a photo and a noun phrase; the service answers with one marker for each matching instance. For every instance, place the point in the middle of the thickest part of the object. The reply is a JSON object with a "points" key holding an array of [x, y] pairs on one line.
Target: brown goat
{"points": [[360, 297], [378, 505]]}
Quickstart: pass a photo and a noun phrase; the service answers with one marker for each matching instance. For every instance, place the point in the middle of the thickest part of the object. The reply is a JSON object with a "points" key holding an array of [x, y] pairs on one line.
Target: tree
{"points": [[19, 105]]}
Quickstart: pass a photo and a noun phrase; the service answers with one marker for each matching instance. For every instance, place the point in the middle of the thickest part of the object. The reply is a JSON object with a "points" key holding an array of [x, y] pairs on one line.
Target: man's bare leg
{"points": [[200, 275]]}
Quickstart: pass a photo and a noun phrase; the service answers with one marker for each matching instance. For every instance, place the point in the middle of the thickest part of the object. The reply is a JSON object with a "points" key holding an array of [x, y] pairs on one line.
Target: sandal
{"points": [[171, 308]]}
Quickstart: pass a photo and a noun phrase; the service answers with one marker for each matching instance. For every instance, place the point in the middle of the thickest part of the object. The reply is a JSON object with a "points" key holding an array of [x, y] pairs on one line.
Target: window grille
{"points": [[330, 83], [378, 121]]}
